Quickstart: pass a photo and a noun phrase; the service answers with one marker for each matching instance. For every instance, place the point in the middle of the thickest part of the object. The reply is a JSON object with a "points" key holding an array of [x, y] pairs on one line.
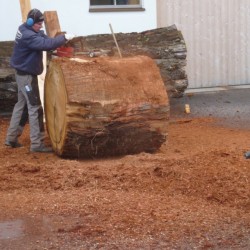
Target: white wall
{"points": [[74, 17], [217, 35], [10, 18]]}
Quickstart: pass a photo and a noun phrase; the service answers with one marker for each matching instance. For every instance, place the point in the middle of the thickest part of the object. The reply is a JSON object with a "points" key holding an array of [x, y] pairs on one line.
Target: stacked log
{"points": [[165, 46], [8, 90], [104, 106], [8, 87]]}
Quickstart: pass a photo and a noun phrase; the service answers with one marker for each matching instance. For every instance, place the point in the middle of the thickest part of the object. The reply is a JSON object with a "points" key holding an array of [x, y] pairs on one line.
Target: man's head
{"points": [[35, 19], [34, 16]]}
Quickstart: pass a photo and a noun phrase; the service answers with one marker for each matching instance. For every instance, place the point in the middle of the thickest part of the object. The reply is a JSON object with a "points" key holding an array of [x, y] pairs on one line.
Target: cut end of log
{"points": [[105, 106]]}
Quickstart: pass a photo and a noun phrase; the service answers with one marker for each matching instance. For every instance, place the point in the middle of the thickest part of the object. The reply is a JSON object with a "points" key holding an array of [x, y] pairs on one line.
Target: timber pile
{"points": [[8, 90], [165, 45], [8, 87], [104, 106]]}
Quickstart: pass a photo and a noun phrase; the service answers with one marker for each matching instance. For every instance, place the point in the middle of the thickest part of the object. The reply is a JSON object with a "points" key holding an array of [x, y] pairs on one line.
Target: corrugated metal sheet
{"points": [[217, 34]]}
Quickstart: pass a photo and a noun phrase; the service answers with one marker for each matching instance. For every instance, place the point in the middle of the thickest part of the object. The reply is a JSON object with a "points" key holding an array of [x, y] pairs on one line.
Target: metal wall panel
{"points": [[217, 34]]}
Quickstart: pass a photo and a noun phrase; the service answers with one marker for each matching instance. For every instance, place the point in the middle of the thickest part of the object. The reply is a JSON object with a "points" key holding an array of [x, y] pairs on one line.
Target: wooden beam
{"points": [[25, 8], [52, 24]]}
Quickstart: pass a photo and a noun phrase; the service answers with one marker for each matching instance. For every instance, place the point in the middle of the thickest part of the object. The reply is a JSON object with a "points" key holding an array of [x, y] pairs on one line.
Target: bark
{"points": [[105, 106], [8, 87], [8, 90]]}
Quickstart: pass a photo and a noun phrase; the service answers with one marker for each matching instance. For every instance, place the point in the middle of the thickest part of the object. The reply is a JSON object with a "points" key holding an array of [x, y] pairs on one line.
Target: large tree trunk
{"points": [[105, 106]]}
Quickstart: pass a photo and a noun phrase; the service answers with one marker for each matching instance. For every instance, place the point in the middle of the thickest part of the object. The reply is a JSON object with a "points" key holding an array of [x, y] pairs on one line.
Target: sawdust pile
{"points": [[193, 193]]}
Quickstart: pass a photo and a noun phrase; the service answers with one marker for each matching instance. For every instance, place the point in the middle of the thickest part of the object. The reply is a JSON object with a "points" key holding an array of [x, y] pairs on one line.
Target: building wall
{"points": [[74, 17], [217, 34]]}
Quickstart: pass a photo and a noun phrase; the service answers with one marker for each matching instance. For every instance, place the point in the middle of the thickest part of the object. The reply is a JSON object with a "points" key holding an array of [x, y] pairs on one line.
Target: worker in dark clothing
{"points": [[30, 42]]}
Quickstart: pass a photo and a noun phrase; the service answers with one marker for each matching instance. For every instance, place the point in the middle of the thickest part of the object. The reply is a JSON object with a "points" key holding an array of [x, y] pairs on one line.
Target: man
{"points": [[30, 42]]}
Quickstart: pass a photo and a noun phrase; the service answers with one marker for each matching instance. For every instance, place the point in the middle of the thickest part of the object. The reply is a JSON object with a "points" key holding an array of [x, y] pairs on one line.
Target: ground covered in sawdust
{"points": [[193, 194]]}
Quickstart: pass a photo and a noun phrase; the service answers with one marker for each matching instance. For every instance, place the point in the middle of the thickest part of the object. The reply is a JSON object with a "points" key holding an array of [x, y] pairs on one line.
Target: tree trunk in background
{"points": [[8, 87], [8, 90]]}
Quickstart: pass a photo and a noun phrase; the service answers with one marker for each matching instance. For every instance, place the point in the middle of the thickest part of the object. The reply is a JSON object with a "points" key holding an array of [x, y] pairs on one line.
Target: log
{"points": [[8, 86], [100, 107], [8, 90], [166, 46]]}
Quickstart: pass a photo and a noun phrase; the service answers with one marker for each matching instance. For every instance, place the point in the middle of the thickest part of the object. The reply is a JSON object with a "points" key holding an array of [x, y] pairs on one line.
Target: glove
{"points": [[69, 36]]}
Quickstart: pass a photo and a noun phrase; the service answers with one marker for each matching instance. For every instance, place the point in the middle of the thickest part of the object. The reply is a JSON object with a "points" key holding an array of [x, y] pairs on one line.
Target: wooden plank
{"points": [[52, 24], [25, 8]]}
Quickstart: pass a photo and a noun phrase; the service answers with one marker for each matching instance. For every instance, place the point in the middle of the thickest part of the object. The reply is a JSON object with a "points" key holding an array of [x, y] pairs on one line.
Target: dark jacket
{"points": [[29, 46]]}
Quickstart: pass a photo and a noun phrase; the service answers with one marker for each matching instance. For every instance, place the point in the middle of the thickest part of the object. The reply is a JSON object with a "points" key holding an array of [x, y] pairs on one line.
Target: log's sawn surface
{"points": [[105, 106], [165, 45]]}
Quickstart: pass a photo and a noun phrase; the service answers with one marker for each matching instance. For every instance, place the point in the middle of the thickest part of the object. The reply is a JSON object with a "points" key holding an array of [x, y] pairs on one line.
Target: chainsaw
{"points": [[67, 50]]}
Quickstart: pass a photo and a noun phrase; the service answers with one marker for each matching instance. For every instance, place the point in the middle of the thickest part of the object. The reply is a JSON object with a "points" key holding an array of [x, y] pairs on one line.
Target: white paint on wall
{"points": [[217, 37], [10, 19], [74, 17]]}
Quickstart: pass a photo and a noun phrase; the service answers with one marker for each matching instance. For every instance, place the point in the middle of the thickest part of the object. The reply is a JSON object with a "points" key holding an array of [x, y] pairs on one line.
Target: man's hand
{"points": [[69, 36]]}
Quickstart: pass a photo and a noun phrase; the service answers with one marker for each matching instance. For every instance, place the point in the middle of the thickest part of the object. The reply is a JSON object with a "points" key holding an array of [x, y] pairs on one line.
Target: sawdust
{"points": [[193, 193]]}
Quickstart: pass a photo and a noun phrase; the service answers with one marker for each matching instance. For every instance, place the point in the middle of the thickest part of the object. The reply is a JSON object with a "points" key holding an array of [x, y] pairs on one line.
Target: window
{"points": [[115, 5]]}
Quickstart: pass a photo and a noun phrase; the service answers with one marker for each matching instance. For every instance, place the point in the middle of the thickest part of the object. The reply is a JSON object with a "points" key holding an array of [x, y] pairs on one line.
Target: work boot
{"points": [[13, 144], [247, 155], [41, 149]]}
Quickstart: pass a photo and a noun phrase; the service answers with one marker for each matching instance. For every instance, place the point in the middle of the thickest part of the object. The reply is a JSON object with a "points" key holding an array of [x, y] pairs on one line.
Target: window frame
{"points": [[115, 7]]}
